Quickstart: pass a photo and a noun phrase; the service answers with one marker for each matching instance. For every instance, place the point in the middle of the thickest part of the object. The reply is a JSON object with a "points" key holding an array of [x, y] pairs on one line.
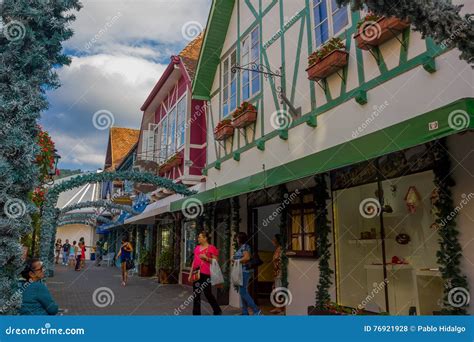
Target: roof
{"points": [[188, 57], [214, 37], [84, 193], [121, 141]]}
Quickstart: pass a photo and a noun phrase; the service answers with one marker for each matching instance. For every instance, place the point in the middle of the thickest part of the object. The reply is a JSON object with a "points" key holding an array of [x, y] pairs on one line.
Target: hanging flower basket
{"points": [[245, 115], [325, 61], [223, 130], [374, 30]]}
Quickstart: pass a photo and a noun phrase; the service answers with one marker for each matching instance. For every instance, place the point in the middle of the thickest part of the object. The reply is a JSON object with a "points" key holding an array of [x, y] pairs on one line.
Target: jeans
{"points": [[65, 257], [245, 298], [204, 285]]}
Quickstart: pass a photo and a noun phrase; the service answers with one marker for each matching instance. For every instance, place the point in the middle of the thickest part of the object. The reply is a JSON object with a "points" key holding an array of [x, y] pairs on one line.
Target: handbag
{"points": [[236, 274], [196, 274]]}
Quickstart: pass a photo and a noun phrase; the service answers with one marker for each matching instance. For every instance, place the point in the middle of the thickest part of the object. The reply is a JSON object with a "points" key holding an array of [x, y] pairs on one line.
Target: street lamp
{"points": [[52, 171]]}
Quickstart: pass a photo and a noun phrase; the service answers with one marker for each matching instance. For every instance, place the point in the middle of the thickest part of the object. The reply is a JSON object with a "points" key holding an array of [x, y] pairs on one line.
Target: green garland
{"points": [[321, 197], [50, 213], [284, 235], [85, 217], [450, 251], [437, 19]]}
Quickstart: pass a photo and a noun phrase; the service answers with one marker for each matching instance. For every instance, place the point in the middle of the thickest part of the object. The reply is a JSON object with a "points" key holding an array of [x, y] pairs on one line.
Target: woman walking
{"points": [[72, 254], [125, 255], [78, 256], [65, 249], [244, 254], [36, 298], [200, 274], [58, 246]]}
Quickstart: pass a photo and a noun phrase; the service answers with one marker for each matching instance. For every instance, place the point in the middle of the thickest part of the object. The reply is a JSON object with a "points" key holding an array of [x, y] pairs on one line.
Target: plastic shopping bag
{"points": [[236, 274], [216, 273]]}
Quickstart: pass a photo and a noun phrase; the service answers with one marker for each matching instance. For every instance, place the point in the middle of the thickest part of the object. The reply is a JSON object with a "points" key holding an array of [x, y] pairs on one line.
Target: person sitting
{"points": [[37, 299]]}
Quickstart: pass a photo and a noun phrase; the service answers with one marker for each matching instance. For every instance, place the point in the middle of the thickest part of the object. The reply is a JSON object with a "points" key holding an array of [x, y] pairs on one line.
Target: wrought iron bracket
{"points": [[258, 68]]}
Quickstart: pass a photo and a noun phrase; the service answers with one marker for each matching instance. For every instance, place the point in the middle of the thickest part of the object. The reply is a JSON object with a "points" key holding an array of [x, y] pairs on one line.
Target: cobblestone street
{"points": [[74, 292]]}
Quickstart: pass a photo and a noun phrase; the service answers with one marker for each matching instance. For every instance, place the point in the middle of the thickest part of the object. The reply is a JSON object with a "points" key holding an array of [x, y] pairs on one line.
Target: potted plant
{"points": [[223, 130], [329, 58], [245, 115], [146, 267], [374, 30], [165, 265]]}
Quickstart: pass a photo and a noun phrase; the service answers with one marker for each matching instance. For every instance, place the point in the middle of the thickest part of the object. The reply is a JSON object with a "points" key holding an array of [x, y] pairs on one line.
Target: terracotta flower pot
{"points": [[244, 119], [328, 65], [224, 131], [374, 34]]}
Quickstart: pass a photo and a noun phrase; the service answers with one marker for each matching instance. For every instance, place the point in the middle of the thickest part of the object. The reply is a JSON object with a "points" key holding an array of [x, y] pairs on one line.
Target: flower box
{"points": [[165, 168], [373, 33], [245, 115], [175, 160], [223, 130], [328, 65]]}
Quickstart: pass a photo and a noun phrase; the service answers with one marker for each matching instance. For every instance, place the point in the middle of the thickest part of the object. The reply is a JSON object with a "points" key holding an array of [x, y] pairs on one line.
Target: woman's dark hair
{"points": [[242, 238], [125, 238], [278, 238], [29, 268], [206, 235], [74, 242]]}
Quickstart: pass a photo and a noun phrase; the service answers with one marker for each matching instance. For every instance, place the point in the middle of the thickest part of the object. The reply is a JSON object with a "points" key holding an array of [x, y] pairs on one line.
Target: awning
{"points": [[159, 207], [421, 129]]}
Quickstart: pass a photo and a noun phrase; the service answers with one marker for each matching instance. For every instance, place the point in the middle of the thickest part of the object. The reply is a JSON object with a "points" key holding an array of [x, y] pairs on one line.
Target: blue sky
{"points": [[119, 51]]}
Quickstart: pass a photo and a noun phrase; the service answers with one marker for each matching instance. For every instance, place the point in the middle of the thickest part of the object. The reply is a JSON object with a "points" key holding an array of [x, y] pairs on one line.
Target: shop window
{"points": [[329, 19], [302, 235], [386, 245], [190, 240]]}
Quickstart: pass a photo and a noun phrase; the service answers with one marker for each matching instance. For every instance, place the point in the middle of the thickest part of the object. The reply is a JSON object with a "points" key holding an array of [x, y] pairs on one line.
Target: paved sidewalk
{"points": [[74, 291]]}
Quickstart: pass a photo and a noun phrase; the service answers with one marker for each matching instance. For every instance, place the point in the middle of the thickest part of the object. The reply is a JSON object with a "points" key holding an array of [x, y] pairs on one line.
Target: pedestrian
{"points": [[125, 254], [244, 254], [200, 274], [36, 298], [83, 254], [276, 260], [99, 245], [66, 247], [58, 249], [72, 254], [78, 256]]}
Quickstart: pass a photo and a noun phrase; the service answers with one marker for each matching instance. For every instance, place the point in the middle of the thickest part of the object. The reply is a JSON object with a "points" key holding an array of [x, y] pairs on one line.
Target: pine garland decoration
{"points": [[437, 19], [99, 204], [450, 250], [284, 235], [323, 245]]}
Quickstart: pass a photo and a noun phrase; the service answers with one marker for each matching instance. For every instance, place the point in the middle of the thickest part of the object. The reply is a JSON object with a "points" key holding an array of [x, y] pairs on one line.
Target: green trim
{"points": [[261, 145], [405, 45], [236, 156], [400, 136], [429, 64], [297, 60], [283, 134], [361, 97], [217, 165], [214, 37], [312, 121]]}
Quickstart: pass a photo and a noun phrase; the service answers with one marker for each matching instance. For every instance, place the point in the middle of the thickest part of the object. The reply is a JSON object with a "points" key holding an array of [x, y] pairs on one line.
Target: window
{"points": [[303, 225], [171, 132], [329, 19], [229, 81], [182, 104], [190, 240], [164, 135], [251, 56]]}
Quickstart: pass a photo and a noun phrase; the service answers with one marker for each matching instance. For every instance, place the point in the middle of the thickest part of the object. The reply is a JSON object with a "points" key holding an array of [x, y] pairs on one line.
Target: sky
{"points": [[119, 50]]}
